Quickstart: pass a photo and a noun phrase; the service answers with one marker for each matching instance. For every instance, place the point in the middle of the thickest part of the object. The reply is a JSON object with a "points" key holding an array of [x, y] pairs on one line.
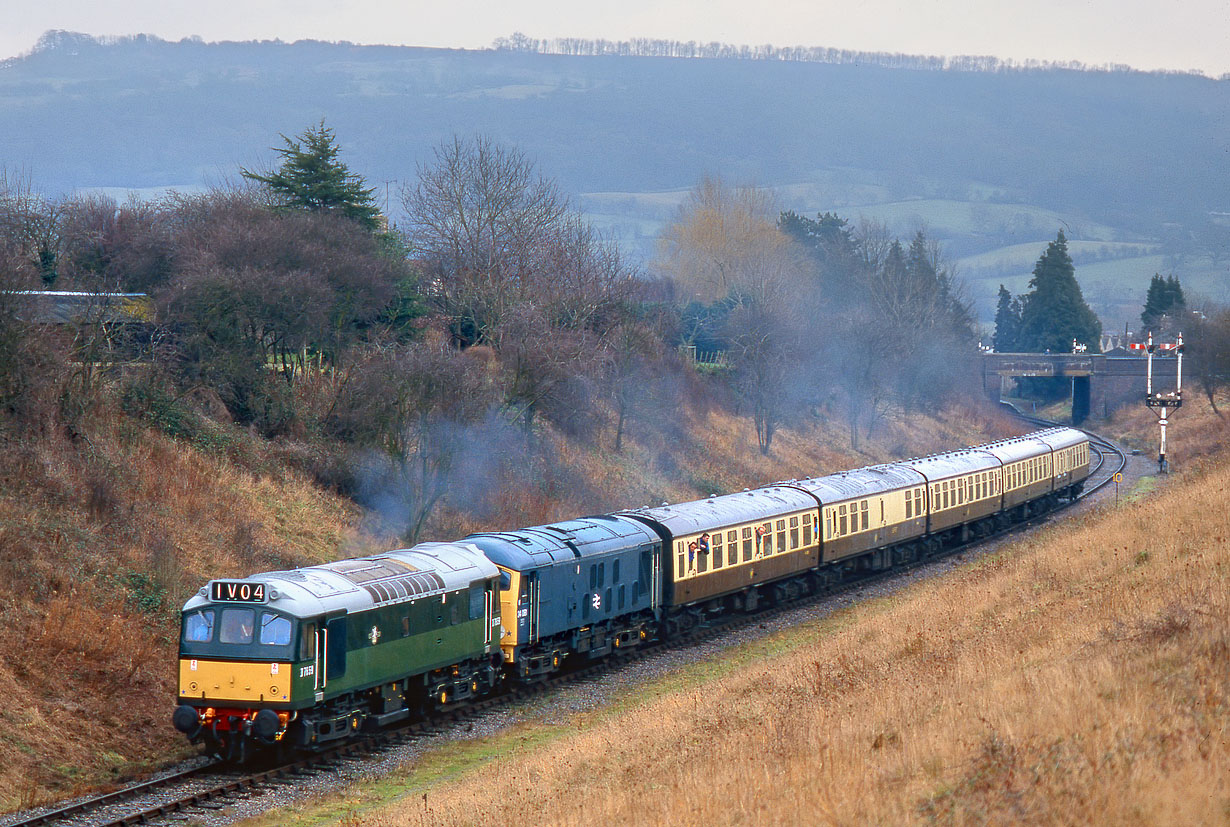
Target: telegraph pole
{"points": [[1163, 403]]}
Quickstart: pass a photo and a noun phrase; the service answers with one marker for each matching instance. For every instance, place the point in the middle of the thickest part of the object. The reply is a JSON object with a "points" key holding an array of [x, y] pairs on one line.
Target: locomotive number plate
{"points": [[230, 591]]}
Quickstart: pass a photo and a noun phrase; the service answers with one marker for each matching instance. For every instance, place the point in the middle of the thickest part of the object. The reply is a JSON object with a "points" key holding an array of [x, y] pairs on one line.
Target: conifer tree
{"points": [[1165, 298], [1007, 322], [1054, 312], [312, 178]]}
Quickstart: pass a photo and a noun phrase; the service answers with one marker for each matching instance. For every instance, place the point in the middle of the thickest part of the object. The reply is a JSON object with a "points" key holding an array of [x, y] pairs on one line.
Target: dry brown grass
{"points": [[1082, 676], [102, 538], [1195, 431]]}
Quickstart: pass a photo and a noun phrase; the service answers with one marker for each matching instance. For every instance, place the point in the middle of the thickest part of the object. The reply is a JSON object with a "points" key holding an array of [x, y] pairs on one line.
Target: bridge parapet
{"points": [[1101, 384]]}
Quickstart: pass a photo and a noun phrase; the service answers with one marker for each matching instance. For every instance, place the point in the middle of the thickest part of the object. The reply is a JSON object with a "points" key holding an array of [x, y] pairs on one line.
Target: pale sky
{"points": [[1145, 34]]}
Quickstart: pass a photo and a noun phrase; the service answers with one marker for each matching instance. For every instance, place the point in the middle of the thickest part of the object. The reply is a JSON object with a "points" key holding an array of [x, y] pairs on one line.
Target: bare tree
{"points": [[1207, 339], [725, 247], [425, 408], [725, 242], [478, 219]]}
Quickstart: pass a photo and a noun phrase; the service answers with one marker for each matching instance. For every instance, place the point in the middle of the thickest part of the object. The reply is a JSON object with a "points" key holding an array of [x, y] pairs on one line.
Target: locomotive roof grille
{"points": [[411, 585]]}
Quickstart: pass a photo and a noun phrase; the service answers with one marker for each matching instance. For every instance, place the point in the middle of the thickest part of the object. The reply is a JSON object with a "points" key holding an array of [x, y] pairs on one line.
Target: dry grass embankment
{"points": [[102, 538], [1080, 676]]}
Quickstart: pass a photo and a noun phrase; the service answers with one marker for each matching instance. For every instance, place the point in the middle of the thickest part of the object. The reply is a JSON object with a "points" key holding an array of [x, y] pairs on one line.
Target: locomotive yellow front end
{"points": [[237, 668]]}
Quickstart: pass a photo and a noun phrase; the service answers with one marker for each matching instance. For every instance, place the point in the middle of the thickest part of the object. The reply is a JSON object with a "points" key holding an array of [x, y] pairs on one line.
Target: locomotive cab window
{"points": [[199, 626], [237, 625], [275, 630]]}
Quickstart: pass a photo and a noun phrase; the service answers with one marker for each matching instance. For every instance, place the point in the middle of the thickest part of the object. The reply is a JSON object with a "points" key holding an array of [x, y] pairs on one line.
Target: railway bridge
{"points": [[1101, 382]]}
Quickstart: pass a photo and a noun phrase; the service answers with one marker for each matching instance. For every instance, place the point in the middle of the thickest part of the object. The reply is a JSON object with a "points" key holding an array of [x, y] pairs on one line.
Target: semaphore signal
{"points": [[1162, 403]]}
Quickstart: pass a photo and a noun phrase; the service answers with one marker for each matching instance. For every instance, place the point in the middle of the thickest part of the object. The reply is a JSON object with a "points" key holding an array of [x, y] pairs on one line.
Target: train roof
{"points": [[1062, 437], [729, 509], [1017, 448], [527, 548], [952, 464], [363, 582], [874, 479]]}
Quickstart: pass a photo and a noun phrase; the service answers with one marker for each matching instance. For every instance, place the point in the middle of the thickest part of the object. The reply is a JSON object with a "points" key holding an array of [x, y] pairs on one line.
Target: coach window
{"points": [[781, 535], [807, 529], [199, 626], [909, 505], [747, 544], [841, 521], [717, 549], [702, 562], [863, 509], [794, 532], [944, 496]]}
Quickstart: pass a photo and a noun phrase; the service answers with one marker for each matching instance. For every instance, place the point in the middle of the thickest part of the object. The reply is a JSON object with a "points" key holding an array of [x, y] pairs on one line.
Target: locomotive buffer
{"points": [[1163, 403]]}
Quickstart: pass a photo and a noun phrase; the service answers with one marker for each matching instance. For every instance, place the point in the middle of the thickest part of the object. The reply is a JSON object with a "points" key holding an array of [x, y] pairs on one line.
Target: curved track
{"points": [[212, 787]]}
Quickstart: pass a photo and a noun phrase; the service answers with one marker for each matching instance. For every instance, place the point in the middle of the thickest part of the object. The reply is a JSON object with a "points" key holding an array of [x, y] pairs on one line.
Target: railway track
{"points": [[212, 787]]}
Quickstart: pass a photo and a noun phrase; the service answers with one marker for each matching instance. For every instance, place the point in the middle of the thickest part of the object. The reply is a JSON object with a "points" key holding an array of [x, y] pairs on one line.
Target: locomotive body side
{"points": [[302, 657], [577, 587]]}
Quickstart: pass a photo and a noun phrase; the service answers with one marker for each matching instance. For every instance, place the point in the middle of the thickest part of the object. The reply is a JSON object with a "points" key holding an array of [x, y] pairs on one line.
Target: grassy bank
{"points": [[1080, 676]]}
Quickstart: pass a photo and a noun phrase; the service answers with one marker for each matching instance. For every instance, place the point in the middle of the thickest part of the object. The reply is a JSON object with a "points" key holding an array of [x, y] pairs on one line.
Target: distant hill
{"points": [[1132, 162]]}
